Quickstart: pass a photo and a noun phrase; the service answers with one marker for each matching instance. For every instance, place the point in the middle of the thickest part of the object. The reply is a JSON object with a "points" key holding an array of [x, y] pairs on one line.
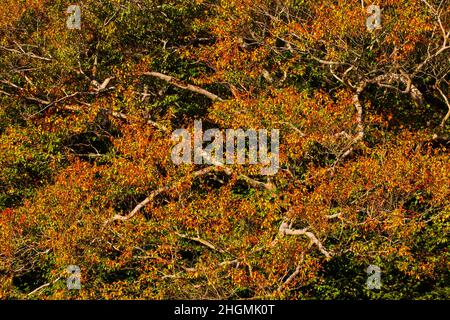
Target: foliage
{"points": [[85, 136]]}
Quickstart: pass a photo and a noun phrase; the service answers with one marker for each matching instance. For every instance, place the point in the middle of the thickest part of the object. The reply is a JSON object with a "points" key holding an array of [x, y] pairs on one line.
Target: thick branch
{"points": [[43, 286], [293, 275], [199, 173], [252, 182], [285, 229], [156, 192], [359, 109], [182, 85], [23, 52]]}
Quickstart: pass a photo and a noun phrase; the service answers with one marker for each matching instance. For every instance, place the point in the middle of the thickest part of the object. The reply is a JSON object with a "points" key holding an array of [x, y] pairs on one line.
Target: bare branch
{"points": [[199, 173], [385, 80], [285, 229], [446, 102], [202, 241], [293, 275], [43, 286], [333, 216], [182, 85], [23, 52], [293, 127]]}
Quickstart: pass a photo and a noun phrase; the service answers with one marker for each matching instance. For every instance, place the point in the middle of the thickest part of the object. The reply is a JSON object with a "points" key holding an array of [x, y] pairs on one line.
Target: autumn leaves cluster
{"points": [[87, 179]]}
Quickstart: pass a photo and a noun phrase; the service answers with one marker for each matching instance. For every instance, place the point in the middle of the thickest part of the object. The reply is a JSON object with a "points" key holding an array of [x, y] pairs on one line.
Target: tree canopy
{"points": [[86, 176]]}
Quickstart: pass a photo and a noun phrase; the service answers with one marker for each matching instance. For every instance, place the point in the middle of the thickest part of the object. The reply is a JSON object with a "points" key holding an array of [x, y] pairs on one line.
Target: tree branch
{"points": [[23, 52], [43, 286], [182, 85], [285, 229], [447, 103], [293, 275], [202, 241]]}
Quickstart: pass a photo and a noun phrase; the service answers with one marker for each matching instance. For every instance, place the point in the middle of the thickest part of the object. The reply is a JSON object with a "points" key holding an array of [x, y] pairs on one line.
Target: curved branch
{"points": [[155, 193], [285, 229], [447, 102], [183, 85]]}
